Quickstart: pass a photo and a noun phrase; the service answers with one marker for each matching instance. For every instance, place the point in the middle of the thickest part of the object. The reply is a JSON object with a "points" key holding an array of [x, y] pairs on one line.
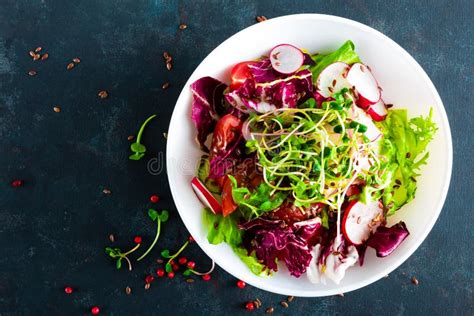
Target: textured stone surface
{"points": [[54, 228]]}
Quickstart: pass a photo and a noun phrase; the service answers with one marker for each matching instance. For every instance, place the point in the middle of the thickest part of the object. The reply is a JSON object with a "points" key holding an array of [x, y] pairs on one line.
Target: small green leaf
{"points": [[136, 156], [168, 267], [118, 264], [165, 253], [164, 216], [138, 148], [153, 214], [187, 272]]}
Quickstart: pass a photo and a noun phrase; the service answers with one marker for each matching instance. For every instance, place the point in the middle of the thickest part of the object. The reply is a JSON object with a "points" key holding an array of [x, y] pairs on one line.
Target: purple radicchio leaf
{"points": [[207, 106], [386, 239]]}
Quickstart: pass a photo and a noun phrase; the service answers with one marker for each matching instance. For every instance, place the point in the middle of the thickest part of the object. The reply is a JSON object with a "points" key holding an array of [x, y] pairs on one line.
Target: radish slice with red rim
{"points": [[364, 83], [332, 79], [378, 111], [286, 58], [361, 220], [205, 196], [358, 115]]}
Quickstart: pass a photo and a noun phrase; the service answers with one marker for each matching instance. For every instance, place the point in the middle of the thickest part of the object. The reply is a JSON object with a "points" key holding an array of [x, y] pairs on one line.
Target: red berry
{"points": [[182, 260], [171, 274], [95, 310], [175, 267], [149, 279], [160, 272], [137, 239], [190, 238], [250, 306], [241, 284], [68, 290], [17, 183], [154, 199], [206, 277], [191, 264]]}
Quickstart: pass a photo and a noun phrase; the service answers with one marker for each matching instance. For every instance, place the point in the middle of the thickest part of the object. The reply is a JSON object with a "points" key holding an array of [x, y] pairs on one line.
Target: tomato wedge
{"points": [[227, 131], [240, 73], [228, 204]]}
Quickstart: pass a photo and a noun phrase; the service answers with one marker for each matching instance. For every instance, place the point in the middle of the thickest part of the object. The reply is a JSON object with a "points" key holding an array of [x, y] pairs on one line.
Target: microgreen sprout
{"points": [[192, 271], [137, 148], [166, 254], [116, 253], [158, 218]]}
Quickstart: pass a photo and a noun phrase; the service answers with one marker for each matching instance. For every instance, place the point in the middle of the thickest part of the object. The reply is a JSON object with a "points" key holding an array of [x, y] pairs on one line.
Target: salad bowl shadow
{"points": [[405, 84]]}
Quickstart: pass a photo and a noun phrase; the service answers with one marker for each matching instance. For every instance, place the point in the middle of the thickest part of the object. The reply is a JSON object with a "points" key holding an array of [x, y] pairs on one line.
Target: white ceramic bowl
{"points": [[404, 83]]}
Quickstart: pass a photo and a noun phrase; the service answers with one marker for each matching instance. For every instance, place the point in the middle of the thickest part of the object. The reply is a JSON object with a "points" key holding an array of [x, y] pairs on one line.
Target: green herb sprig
{"points": [[158, 218], [137, 148], [116, 253], [192, 271], [166, 254]]}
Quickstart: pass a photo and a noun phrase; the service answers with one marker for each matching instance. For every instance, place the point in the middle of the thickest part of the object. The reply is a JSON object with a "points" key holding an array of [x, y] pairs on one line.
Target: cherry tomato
{"points": [[226, 133], [228, 204], [240, 73]]}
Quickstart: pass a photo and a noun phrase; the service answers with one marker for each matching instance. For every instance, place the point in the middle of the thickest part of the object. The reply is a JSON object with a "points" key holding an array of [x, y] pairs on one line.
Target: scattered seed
{"points": [[102, 94], [340, 294], [261, 18], [76, 60], [183, 26], [106, 191], [57, 109], [368, 67], [189, 280], [269, 310], [45, 56], [398, 182], [165, 135], [169, 66], [70, 66], [160, 261], [38, 49], [131, 137], [147, 286], [334, 82], [128, 290], [331, 89], [408, 155], [166, 55], [165, 85], [32, 72], [415, 281], [389, 105], [112, 238], [290, 299], [380, 88], [32, 53], [37, 57], [284, 304], [362, 68]]}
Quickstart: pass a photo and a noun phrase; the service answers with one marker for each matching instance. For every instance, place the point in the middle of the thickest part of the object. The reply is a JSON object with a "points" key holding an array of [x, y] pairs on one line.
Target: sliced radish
{"points": [[205, 196], [378, 111], [358, 115], [286, 58], [360, 220], [367, 88], [332, 79]]}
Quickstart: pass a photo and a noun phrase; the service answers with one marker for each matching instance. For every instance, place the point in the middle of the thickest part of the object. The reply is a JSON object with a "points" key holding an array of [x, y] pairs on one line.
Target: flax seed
{"points": [[57, 109], [38, 49], [269, 310], [106, 191], [32, 53], [45, 56], [183, 26], [131, 137], [415, 281], [112, 238], [290, 299], [261, 18], [70, 66], [169, 66], [102, 94], [165, 85], [284, 304], [76, 60], [128, 290], [32, 72], [36, 57]]}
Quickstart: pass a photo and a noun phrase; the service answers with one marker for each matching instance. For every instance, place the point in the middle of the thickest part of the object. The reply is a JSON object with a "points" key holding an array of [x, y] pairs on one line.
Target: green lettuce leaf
{"points": [[404, 145], [224, 229], [345, 53]]}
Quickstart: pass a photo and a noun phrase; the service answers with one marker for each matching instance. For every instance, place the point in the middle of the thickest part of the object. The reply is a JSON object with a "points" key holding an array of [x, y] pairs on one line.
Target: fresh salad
{"points": [[304, 162]]}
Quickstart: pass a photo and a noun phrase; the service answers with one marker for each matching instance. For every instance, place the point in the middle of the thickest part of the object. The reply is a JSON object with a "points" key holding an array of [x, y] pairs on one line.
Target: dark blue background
{"points": [[54, 228]]}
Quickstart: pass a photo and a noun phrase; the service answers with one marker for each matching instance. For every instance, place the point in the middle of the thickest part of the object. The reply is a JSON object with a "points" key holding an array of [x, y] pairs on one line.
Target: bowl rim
{"points": [[441, 198]]}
